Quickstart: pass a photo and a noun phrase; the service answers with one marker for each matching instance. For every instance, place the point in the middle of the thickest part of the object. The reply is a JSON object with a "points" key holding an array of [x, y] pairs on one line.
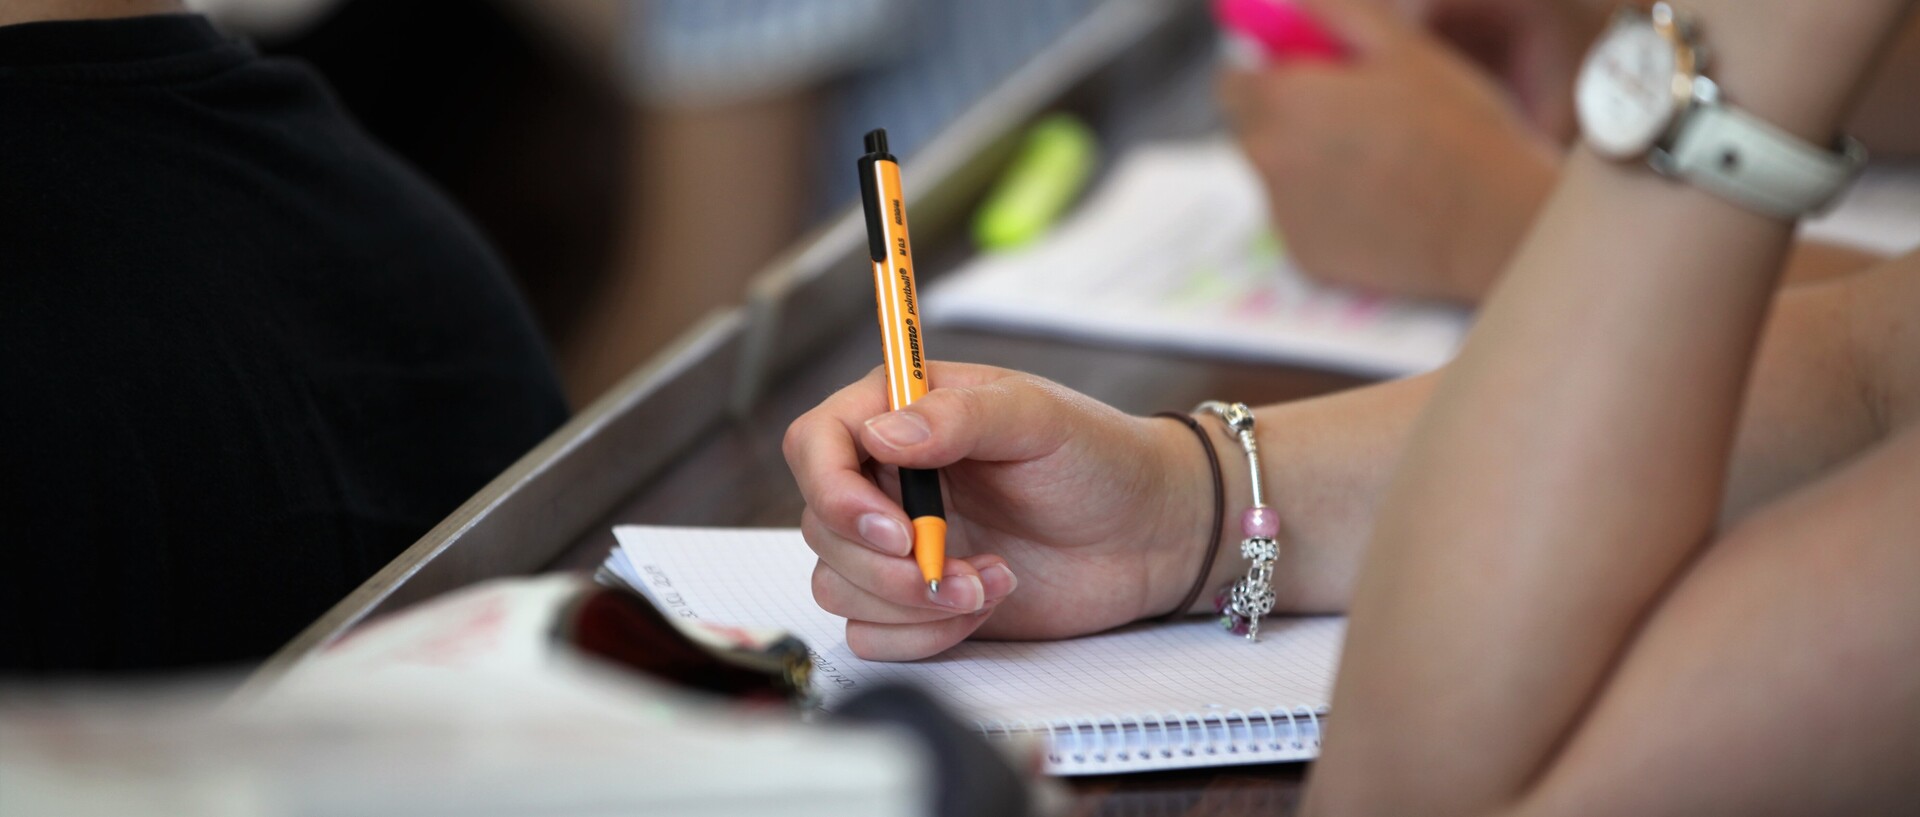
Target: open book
{"points": [[1142, 698], [1173, 251]]}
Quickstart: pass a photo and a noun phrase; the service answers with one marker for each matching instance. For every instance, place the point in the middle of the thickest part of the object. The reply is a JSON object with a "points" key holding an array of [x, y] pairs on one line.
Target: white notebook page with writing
{"points": [[1141, 691]]}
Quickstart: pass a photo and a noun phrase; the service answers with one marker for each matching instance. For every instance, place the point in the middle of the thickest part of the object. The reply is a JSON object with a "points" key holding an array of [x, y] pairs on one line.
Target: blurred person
{"points": [[1415, 167], [1530, 48], [512, 107], [250, 356], [744, 112], [1653, 489]]}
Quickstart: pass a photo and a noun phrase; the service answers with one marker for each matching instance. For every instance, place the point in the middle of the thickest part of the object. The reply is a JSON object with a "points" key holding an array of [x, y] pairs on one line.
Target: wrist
{"points": [[1187, 522], [1214, 494], [1237, 482], [1795, 63], [1250, 598]]}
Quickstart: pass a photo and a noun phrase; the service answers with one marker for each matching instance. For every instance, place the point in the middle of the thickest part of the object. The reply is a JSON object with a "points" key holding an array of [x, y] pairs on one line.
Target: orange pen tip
{"points": [[930, 548]]}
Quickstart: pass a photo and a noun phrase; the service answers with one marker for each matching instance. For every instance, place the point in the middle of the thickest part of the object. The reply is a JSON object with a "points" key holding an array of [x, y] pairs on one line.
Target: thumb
{"points": [[1007, 420], [1368, 27]]}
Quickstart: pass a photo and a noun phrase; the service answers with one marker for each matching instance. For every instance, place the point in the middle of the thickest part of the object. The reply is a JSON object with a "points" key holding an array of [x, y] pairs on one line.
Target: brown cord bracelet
{"points": [[1219, 513]]}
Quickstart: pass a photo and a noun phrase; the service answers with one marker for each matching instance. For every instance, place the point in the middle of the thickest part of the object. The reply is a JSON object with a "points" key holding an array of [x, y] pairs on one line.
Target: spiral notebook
{"points": [[1142, 698]]}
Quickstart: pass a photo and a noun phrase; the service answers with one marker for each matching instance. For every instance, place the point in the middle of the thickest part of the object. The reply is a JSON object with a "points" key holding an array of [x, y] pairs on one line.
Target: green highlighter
{"points": [[1055, 161]]}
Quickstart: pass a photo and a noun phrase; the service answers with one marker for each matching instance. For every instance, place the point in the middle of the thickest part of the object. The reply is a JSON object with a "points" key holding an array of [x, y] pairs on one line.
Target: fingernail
{"points": [[962, 593], [885, 534], [998, 581], [900, 429]]}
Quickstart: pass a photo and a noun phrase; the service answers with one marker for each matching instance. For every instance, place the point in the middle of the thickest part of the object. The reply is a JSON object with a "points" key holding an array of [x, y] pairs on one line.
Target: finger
{"points": [[1234, 88], [909, 642], [940, 374], [1283, 98], [811, 446], [1369, 27], [824, 451], [836, 595], [1252, 101], [894, 579], [1014, 418], [828, 465]]}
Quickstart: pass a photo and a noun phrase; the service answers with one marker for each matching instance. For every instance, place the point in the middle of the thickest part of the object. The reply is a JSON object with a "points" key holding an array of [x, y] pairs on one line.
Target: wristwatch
{"points": [[1642, 95]]}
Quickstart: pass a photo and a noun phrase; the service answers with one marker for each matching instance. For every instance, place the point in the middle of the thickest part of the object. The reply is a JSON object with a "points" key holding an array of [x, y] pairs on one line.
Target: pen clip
{"points": [[870, 204]]}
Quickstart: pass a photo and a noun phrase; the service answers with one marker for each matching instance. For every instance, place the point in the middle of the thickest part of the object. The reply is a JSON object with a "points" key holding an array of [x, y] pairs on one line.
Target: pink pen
{"points": [[1263, 30]]}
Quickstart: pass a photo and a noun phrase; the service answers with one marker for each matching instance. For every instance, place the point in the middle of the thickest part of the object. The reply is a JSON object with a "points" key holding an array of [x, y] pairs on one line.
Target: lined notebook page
{"points": [[762, 577]]}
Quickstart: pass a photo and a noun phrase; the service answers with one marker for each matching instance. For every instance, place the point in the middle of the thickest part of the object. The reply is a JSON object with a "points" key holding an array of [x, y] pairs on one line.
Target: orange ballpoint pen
{"points": [[901, 340]]}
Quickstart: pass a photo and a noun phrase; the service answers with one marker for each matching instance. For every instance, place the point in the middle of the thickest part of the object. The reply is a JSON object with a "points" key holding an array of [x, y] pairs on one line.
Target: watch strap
{"points": [[1743, 158]]}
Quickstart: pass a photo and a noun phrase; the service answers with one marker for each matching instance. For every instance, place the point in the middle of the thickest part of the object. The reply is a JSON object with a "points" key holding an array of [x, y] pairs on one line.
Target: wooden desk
{"points": [[693, 438], [1244, 790]]}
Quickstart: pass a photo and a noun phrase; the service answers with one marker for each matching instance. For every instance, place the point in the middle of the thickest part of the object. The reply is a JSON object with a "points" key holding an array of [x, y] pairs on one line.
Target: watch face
{"points": [[1624, 96]]}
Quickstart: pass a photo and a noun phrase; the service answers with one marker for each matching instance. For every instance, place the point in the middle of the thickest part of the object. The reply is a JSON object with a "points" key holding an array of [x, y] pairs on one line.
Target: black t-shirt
{"points": [[246, 356]]}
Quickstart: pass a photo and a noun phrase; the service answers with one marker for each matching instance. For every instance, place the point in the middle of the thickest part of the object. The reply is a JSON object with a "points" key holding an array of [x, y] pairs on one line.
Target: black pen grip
{"points": [[920, 493]]}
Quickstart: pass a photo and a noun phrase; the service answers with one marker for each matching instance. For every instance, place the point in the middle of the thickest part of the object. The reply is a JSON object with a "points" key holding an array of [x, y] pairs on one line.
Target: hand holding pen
{"points": [[1044, 478], [1101, 516]]}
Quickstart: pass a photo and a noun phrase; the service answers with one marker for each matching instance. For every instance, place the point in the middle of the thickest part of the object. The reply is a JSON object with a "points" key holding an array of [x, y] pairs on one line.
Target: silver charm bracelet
{"points": [[1242, 604]]}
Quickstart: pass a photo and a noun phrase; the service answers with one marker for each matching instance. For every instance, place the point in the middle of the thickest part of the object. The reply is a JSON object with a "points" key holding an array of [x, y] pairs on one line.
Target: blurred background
{"points": [[636, 162]]}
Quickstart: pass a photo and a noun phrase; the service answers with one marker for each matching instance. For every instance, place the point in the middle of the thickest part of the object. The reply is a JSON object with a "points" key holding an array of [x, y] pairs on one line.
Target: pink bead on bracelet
{"points": [[1242, 604]]}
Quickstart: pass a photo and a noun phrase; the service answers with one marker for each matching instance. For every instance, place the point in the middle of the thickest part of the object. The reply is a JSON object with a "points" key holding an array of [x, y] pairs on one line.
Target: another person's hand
{"points": [[1065, 515], [1533, 47], [1403, 169]]}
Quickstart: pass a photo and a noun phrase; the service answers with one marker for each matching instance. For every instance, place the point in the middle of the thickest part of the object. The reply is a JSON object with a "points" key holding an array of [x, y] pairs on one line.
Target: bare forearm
{"points": [[1485, 247], [1327, 460], [1555, 483], [1325, 465]]}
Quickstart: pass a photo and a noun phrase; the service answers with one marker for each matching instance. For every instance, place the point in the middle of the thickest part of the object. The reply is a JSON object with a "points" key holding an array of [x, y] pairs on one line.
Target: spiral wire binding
{"points": [[1100, 737], [1140, 726], [1233, 748], [1206, 731], [1271, 743], [1103, 739], [989, 727]]}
